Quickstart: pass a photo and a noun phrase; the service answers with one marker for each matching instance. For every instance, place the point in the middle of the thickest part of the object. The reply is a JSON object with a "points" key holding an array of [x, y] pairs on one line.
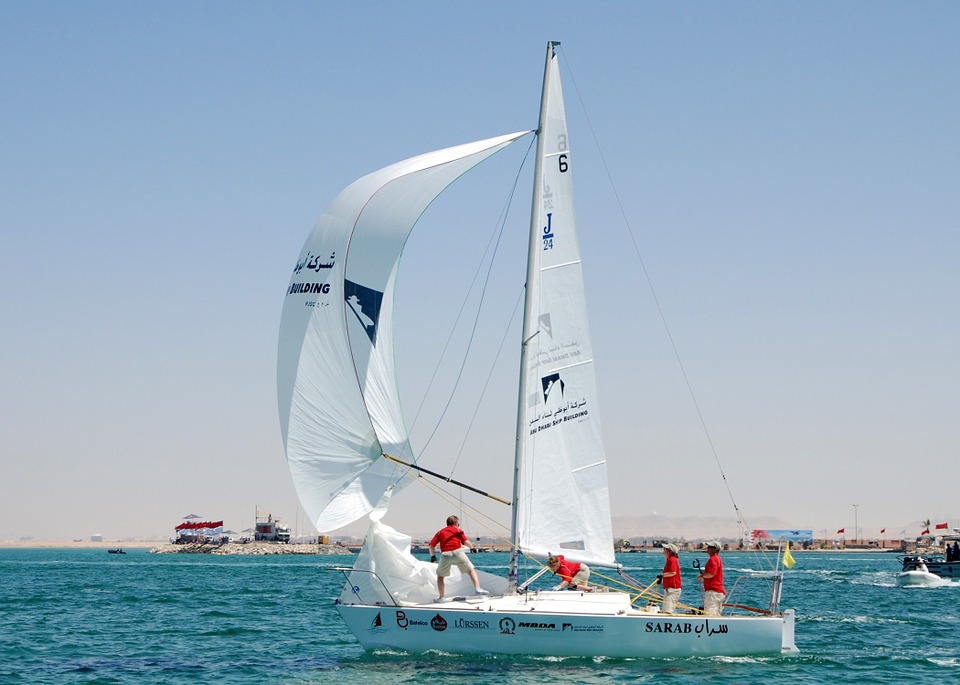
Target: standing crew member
{"points": [[452, 540], [670, 578], [712, 577]]}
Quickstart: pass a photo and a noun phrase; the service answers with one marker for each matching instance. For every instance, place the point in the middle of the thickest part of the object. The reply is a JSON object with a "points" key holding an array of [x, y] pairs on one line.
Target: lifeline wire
{"points": [[631, 585]]}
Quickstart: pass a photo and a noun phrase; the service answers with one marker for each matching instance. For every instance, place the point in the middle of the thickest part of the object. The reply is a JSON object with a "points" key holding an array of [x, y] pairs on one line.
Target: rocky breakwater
{"points": [[255, 548]]}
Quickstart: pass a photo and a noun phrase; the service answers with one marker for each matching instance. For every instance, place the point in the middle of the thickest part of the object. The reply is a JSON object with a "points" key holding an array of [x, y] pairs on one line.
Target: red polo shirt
{"points": [[450, 538]]}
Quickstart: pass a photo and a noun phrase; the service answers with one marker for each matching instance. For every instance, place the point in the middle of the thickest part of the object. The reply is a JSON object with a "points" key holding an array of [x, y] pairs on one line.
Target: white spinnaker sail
{"points": [[563, 504], [336, 382]]}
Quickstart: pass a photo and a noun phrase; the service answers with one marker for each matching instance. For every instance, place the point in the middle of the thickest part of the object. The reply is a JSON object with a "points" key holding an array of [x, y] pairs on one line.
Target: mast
{"points": [[527, 335]]}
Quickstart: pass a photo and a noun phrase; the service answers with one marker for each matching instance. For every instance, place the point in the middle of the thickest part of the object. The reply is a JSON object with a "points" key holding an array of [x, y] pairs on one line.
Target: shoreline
{"points": [[264, 548], [251, 548], [79, 544]]}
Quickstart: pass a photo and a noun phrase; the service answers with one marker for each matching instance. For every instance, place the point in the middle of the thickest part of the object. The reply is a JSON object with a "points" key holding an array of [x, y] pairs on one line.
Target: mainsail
{"points": [[562, 497], [336, 382]]}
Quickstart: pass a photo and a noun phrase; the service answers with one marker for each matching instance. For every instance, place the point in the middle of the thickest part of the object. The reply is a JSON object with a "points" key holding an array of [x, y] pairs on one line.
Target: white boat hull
{"points": [[918, 579], [564, 624]]}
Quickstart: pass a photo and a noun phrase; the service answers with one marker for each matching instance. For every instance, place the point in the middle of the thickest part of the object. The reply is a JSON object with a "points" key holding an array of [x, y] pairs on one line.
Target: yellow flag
{"points": [[788, 560]]}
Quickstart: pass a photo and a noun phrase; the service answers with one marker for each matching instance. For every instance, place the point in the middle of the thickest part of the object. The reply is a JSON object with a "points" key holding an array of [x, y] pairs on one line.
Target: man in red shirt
{"points": [[670, 578], [712, 577], [452, 541], [571, 573]]}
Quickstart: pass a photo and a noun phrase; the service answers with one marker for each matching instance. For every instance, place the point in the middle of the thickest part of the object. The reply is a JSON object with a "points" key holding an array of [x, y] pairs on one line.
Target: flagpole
{"points": [[856, 524]]}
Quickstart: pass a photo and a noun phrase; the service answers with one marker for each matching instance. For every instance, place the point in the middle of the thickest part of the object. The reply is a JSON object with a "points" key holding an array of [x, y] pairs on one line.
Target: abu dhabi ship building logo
{"points": [[552, 384], [365, 303]]}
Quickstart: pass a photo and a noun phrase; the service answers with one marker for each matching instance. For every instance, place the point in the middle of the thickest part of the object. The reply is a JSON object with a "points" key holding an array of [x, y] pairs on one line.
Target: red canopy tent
{"points": [[198, 525]]}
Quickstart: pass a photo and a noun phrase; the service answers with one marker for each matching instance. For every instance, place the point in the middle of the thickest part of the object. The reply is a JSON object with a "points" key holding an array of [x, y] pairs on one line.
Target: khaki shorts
{"points": [[713, 602], [670, 598], [457, 557]]}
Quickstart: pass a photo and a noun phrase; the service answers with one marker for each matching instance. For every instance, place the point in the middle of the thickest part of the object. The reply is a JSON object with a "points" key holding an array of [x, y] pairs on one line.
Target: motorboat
{"points": [[939, 556], [919, 576]]}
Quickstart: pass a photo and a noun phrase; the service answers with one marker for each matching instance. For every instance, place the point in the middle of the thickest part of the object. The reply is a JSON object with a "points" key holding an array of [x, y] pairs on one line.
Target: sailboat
{"points": [[349, 451]]}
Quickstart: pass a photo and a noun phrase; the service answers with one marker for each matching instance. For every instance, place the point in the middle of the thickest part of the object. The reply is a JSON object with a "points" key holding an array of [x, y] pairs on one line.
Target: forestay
{"points": [[339, 404]]}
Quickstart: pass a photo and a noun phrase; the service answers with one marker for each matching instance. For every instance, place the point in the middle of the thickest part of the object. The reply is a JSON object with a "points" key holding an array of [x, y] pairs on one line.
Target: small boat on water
{"points": [[919, 576], [919, 579], [115, 551], [942, 558]]}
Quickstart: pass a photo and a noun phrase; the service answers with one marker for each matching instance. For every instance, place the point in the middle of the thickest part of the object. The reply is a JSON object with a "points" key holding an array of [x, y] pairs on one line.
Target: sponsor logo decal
{"points": [[532, 625], [309, 288], [365, 304], [571, 628], [403, 621], [703, 629], [315, 263], [553, 388], [376, 625], [312, 262], [550, 383], [545, 324], [557, 408], [471, 624], [507, 626], [438, 623]]}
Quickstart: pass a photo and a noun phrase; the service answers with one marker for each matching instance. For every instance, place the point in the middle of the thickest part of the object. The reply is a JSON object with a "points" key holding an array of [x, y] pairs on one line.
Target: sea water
{"points": [[83, 616]]}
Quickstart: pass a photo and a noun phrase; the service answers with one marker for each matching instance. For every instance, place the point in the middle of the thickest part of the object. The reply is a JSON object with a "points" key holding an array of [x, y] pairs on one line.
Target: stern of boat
{"points": [[788, 645]]}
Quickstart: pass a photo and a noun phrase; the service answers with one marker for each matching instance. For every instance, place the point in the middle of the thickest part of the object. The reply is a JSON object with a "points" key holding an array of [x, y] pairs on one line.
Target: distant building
{"points": [[96, 537], [271, 531]]}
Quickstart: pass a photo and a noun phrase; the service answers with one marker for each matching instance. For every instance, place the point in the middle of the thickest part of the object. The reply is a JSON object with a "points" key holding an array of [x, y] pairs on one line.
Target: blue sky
{"points": [[789, 171]]}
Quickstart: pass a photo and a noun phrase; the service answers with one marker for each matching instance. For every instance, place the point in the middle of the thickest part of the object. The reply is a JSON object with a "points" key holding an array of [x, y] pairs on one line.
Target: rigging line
{"points": [[487, 382], [483, 292], [492, 524], [463, 306], [493, 527], [663, 319]]}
